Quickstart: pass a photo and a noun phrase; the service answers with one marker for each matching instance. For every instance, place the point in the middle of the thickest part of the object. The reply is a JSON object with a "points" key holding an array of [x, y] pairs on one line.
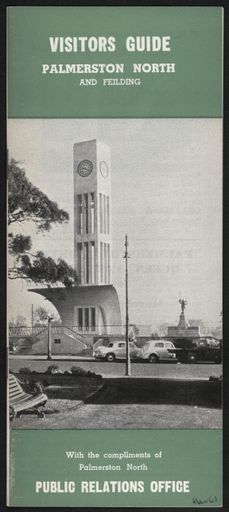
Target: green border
{"points": [[195, 90], [190, 455]]}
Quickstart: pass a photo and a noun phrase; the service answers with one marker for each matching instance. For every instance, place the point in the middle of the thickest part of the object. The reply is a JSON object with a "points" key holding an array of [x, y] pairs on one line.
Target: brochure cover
{"points": [[114, 213]]}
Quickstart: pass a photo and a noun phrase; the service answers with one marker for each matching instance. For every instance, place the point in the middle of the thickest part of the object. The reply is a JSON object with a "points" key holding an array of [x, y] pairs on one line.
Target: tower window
{"points": [[104, 214], [101, 212], [86, 319], [92, 213], [86, 213], [92, 247], [87, 324], [80, 262], [86, 262], [80, 319], [108, 215], [101, 262], [105, 263], [93, 319], [79, 215], [108, 263]]}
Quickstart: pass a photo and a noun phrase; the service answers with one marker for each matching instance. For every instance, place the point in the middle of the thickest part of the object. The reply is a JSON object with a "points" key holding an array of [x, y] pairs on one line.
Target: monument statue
{"points": [[183, 303]]}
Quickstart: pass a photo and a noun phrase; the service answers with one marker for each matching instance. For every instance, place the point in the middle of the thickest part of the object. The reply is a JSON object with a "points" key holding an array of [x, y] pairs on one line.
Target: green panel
{"points": [[194, 90], [181, 455]]}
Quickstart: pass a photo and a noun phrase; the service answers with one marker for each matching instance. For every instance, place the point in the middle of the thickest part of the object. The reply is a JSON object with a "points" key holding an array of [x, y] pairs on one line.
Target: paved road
{"points": [[180, 371], [101, 414]]}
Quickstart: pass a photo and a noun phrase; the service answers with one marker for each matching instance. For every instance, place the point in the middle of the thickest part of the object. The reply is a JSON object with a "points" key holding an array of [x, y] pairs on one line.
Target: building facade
{"points": [[92, 211]]}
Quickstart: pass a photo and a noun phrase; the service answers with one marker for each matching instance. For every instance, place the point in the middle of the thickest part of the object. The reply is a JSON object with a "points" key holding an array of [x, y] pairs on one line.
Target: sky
{"points": [[166, 178]]}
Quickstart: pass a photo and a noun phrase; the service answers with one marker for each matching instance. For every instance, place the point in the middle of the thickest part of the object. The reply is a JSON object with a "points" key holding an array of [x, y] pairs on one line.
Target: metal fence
{"points": [[22, 330], [27, 331]]}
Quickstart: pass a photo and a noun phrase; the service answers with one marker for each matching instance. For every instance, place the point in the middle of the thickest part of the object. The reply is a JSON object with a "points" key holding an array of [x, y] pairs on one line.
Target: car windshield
{"points": [[110, 345]]}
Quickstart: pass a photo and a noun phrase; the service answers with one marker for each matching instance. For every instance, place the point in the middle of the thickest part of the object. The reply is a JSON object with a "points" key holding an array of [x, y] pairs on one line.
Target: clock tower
{"points": [[92, 306], [92, 213]]}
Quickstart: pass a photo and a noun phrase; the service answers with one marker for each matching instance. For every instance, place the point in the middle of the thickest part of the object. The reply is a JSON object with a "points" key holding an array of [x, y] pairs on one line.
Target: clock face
{"points": [[85, 168], [104, 169]]}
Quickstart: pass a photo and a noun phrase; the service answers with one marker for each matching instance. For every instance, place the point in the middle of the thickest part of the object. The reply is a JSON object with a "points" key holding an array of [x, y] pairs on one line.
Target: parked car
{"points": [[115, 350], [202, 350], [155, 351]]}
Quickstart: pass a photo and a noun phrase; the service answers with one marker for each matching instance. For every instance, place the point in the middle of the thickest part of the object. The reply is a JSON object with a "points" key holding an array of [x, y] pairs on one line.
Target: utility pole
{"points": [[128, 369]]}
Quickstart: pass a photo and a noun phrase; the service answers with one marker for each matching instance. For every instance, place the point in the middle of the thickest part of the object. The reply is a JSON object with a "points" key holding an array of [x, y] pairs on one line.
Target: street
{"points": [[105, 411], [161, 370]]}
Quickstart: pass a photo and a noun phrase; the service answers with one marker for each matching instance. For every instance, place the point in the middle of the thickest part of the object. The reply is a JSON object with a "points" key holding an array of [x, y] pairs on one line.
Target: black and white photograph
{"points": [[115, 273]]}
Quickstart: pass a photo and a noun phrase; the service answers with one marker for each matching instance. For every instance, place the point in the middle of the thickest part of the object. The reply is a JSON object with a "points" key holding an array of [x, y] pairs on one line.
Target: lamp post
{"points": [[32, 318], [126, 257], [50, 318]]}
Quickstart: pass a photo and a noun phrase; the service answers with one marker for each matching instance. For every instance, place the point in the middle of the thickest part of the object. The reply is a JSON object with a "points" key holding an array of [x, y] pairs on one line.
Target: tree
{"points": [[26, 203], [155, 335], [20, 321], [163, 329], [218, 330], [41, 316], [204, 329]]}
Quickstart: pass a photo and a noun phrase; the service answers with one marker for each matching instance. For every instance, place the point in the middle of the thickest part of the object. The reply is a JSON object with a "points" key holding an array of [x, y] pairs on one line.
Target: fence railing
{"points": [[113, 329], [24, 331], [81, 332]]}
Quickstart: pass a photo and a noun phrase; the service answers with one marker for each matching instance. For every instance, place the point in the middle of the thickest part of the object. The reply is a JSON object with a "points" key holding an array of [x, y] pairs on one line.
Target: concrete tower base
{"points": [[80, 301]]}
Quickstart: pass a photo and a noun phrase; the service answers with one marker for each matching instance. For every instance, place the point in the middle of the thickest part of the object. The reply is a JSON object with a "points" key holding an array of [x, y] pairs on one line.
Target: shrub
{"points": [[52, 369], [76, 370], [25, 370]]}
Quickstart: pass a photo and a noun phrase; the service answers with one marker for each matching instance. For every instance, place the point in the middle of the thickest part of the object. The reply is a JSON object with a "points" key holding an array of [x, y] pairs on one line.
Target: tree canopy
{"points": [[41, 315], [26, 203]]}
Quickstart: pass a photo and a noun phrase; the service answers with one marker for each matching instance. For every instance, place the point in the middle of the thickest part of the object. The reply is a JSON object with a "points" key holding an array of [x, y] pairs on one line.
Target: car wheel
{"points": [[110, 357], [153, 358]]}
